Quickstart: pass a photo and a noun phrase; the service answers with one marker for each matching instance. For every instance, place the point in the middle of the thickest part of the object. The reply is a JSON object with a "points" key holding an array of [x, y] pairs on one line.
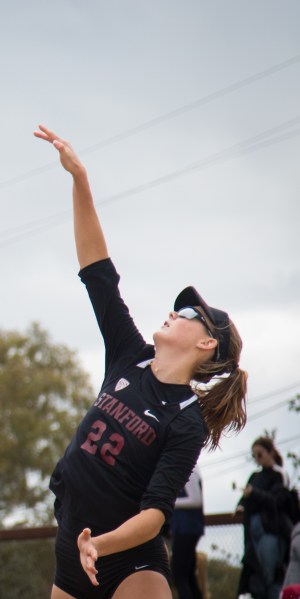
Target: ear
{"points": [[207, 344]]}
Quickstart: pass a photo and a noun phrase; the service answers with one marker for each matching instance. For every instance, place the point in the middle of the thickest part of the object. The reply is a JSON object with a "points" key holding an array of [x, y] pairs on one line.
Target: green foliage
{"points": [[26, 569], [295, 460], [294, 403], [43, 394], [222, 578]]}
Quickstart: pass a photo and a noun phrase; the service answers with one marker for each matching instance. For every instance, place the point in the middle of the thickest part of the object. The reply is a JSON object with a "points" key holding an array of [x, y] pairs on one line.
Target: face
{"points": [[182, 332], [262, 456]]}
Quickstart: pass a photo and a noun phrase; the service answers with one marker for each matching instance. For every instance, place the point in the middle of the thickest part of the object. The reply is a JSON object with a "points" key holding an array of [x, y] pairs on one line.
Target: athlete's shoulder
{"points": [[189, 423]]}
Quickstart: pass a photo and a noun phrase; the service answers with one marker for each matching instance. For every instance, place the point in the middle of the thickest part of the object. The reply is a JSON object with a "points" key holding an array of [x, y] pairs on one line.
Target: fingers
{"points": [[88, 555], [91, 571], [68, 159], [93, 579], [90, 565], [58, 145], [46, 134]]}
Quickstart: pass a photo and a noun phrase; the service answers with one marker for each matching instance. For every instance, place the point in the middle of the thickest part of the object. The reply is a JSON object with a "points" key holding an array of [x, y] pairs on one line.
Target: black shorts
{"points": [[112, 569]]}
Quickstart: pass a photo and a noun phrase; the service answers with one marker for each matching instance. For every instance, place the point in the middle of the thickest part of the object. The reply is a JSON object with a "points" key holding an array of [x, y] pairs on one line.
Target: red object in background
{"points": [[291, 592]]}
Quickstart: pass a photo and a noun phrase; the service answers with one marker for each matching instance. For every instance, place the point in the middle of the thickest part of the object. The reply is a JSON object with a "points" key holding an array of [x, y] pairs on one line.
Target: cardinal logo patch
{"points": [[121, 384]]}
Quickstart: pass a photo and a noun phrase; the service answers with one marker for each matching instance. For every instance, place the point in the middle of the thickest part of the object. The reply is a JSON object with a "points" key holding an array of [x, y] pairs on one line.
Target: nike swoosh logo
{"points": [[148, 413], [141, 567]]}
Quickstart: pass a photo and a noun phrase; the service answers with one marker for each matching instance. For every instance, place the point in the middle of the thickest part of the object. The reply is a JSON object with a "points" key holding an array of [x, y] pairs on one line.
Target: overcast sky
{"points": [[186, 114]]}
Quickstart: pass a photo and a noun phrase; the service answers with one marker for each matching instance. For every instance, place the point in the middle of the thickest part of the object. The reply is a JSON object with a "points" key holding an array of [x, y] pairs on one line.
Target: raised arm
{"points": [[89, 238]]}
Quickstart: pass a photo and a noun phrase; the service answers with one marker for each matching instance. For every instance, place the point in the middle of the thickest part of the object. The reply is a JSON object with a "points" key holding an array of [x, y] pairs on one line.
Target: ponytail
{"points": [[222, 389]]}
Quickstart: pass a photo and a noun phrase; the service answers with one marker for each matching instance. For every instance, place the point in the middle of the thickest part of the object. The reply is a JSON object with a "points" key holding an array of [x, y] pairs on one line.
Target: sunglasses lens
{"points": [[188, 313]]}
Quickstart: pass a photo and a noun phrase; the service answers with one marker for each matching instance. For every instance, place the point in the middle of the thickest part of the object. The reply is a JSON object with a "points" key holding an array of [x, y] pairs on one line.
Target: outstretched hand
{"points": [[68, 157], [88, 555]]}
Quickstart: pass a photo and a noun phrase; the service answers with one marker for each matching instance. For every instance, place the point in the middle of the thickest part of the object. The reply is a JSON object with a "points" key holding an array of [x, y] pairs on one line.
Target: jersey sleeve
{"points": [[184, 442], [121, 337]]}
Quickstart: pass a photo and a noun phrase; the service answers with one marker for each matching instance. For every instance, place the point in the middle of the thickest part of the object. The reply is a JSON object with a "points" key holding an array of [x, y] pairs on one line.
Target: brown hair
{"points": [[223, 405], [268, 444]]}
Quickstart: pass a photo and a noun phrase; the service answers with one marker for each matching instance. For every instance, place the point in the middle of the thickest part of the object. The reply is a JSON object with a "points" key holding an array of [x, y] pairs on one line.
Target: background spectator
{"points": [[187, 528], [265, 525]]}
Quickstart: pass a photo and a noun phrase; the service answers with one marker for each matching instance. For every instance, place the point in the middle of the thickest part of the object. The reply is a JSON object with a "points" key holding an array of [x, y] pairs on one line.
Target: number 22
{"points": [[107, 450]]}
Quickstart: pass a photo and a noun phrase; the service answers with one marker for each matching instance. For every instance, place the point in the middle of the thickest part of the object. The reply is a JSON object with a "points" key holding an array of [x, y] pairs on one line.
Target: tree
{"points": [[44, 392], [26, 569], [294, 403]]}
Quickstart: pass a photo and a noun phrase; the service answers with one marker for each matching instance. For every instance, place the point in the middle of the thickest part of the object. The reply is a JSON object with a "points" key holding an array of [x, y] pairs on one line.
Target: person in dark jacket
{"points": [[265, 524]]}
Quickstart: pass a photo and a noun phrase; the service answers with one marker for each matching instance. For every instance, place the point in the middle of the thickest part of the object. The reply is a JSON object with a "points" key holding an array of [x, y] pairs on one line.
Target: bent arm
{"points": [[137, 530], [89, 238]]}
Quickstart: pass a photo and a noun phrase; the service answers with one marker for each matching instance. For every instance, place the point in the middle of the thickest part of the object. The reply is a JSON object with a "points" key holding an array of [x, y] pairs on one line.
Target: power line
{"points": [[249, 145], [224, 471], [160, 119], [273, 393], [228, 154], [231, 458], [268, 410], [244, 454]]}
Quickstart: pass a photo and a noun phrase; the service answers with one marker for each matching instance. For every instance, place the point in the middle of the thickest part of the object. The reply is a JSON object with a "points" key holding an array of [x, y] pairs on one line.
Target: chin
{"points": [[154, 336], [158, 335]]}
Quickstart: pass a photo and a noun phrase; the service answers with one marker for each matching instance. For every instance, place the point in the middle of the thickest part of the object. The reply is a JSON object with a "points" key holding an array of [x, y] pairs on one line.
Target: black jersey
{"points": [[141, 438]]}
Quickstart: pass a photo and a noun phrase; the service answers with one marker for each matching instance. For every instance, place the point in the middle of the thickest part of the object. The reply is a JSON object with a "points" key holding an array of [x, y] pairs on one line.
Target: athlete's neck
{"points": [[166, 371]]}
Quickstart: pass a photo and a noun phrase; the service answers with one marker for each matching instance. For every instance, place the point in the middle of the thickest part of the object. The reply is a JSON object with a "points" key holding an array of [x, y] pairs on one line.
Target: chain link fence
{"points": [[223, 542]]}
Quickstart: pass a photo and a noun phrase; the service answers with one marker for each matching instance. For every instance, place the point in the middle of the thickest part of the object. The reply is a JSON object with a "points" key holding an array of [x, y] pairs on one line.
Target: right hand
{"points": [[68, 158], [239, 510], [88, 555]]}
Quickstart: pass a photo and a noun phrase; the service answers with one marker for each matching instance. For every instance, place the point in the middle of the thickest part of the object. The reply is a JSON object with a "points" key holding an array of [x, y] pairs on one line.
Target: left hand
{"points": [[68, 158], [88, 555]]}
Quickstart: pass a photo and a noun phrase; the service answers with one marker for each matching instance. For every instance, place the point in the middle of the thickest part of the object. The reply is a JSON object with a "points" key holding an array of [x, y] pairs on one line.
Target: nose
{"points": [[173, 315]]}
